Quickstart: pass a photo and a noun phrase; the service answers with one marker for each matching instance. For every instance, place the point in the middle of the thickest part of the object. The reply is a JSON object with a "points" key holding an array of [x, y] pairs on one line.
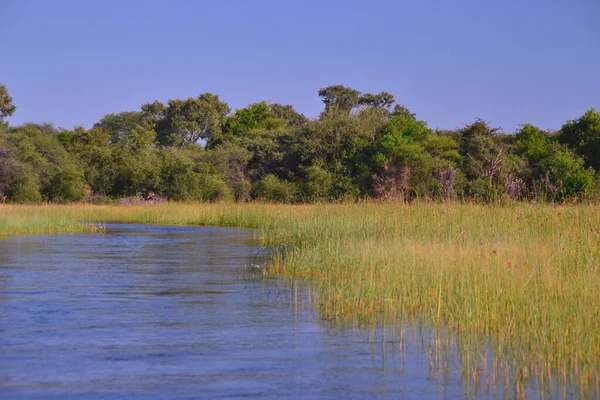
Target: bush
{"points": [[230, 161], [270, 188], [25, 190], [184, 186], [482, 189], [241, 189], [213, 188], [67, 185], [317, 183], [580, 185], [567, 177], [178, 179]]}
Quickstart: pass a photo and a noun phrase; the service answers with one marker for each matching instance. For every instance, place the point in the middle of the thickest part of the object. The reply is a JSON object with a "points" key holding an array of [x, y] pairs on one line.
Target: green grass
{"points": [[523, 278]]}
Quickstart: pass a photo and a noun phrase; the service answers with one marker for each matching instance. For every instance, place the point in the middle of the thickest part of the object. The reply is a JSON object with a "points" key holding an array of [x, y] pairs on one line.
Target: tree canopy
{"points": [[7, 108], [362, 145]]}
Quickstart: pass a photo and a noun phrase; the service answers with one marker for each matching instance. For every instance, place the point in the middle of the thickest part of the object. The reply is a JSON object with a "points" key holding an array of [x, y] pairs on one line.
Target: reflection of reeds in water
{"points": [[522, 279]]}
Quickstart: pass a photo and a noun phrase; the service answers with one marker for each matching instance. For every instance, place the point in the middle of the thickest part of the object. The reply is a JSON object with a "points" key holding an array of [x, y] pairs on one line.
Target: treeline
{"points": [[362, 145]]}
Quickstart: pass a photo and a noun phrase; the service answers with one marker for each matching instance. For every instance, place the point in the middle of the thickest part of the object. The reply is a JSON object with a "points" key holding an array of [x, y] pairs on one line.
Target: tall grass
{"points": [[525, 278]]}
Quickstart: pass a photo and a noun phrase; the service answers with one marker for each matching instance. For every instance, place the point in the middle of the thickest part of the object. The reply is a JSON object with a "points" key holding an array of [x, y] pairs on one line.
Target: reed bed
{"points": [[522, 279]]}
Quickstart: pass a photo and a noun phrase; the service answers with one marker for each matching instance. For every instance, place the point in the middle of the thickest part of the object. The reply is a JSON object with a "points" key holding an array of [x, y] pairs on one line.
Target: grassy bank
{"points": [[526, 277]]}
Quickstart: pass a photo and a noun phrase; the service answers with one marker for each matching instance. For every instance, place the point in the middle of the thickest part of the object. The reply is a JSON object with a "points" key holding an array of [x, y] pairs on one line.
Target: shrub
{"points": [[67, 185], [177, 176], [213, 188], [567, 178], [482, 189], [580, 185], [317, 183], [270, 188], [241, 189], [25, 190]]}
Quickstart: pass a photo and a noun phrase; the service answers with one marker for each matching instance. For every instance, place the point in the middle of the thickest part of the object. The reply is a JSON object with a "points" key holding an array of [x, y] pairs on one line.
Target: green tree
{"points": [[120, 125], [266, 154], [187, 121], [229, 162], [67, 185], [153, 113], [39, 154], [7, 108], [287, 113], [8, 166], [532, 143], [317, 183], [362, 144], [401, 165], [270, 188], [382, 100], [567, 177], [178, 180], [482, 158], [214, 188], [399, 109], [255, 117], [340, 97], [95, 154], [136, 165], [583, 135], [25, 190]]}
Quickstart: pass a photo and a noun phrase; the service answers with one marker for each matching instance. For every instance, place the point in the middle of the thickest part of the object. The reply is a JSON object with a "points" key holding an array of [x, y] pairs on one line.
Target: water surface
{"points": [[168, 313]]}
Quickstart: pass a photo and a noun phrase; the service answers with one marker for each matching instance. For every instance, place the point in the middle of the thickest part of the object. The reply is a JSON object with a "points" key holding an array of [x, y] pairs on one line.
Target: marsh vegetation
{"points": [[516, 284]]}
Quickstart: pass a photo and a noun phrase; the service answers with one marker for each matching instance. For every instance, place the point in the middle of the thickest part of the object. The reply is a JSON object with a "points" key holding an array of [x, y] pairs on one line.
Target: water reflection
{"points": [[162, 312]]}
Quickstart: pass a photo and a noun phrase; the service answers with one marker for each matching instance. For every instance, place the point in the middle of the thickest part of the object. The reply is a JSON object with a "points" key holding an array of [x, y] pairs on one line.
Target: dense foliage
{"points": [[361, 145]]}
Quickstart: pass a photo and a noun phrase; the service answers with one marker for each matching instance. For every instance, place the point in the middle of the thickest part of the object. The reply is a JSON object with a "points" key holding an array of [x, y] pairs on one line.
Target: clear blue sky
{"points": [[506, 61]]}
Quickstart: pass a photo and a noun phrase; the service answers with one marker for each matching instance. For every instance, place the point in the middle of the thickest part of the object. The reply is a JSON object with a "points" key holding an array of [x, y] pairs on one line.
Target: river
{"points": [[171, 313]]}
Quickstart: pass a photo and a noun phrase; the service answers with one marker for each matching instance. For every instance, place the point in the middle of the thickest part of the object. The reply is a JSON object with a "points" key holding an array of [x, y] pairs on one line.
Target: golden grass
{"points": [[525, 278]]}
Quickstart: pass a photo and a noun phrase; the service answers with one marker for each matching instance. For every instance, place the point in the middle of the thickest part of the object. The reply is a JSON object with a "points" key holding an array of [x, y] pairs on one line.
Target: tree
{"points": [[401, 166], [136, 165], [405, 129], [482, 158], [94, 152], [382, 100], [340, 97], [567, 178], [67, 185], [287, 113], [270, 188], [187, 121], [120, 125], [399, 109], [444, 162], [532, 143], [317, 183], [257, 116], [362, 144], [153, 112], [25, 190], [39, 156], [178, 179], [8, 170], [479, 149], [583, 135], [7, 108], [229, 161]]}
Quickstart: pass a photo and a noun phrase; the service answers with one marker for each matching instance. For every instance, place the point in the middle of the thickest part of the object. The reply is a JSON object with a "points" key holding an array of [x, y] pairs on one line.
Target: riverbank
{"points": [[524, 277]]}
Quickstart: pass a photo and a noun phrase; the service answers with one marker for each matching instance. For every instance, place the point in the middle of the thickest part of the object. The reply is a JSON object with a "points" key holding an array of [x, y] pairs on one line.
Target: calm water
{"points": [[167, 313]]}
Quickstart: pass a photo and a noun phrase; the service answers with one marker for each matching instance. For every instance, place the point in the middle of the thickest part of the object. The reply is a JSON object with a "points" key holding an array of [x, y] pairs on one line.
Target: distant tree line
{"points": [[362, 145]]}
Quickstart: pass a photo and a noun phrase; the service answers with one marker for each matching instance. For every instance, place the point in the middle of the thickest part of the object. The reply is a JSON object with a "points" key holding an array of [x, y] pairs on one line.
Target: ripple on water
{"points": [[161, 312]]}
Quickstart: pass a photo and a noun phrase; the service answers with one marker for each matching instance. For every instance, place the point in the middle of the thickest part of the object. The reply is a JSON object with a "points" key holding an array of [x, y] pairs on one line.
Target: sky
{"points": [[509, 62]]}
